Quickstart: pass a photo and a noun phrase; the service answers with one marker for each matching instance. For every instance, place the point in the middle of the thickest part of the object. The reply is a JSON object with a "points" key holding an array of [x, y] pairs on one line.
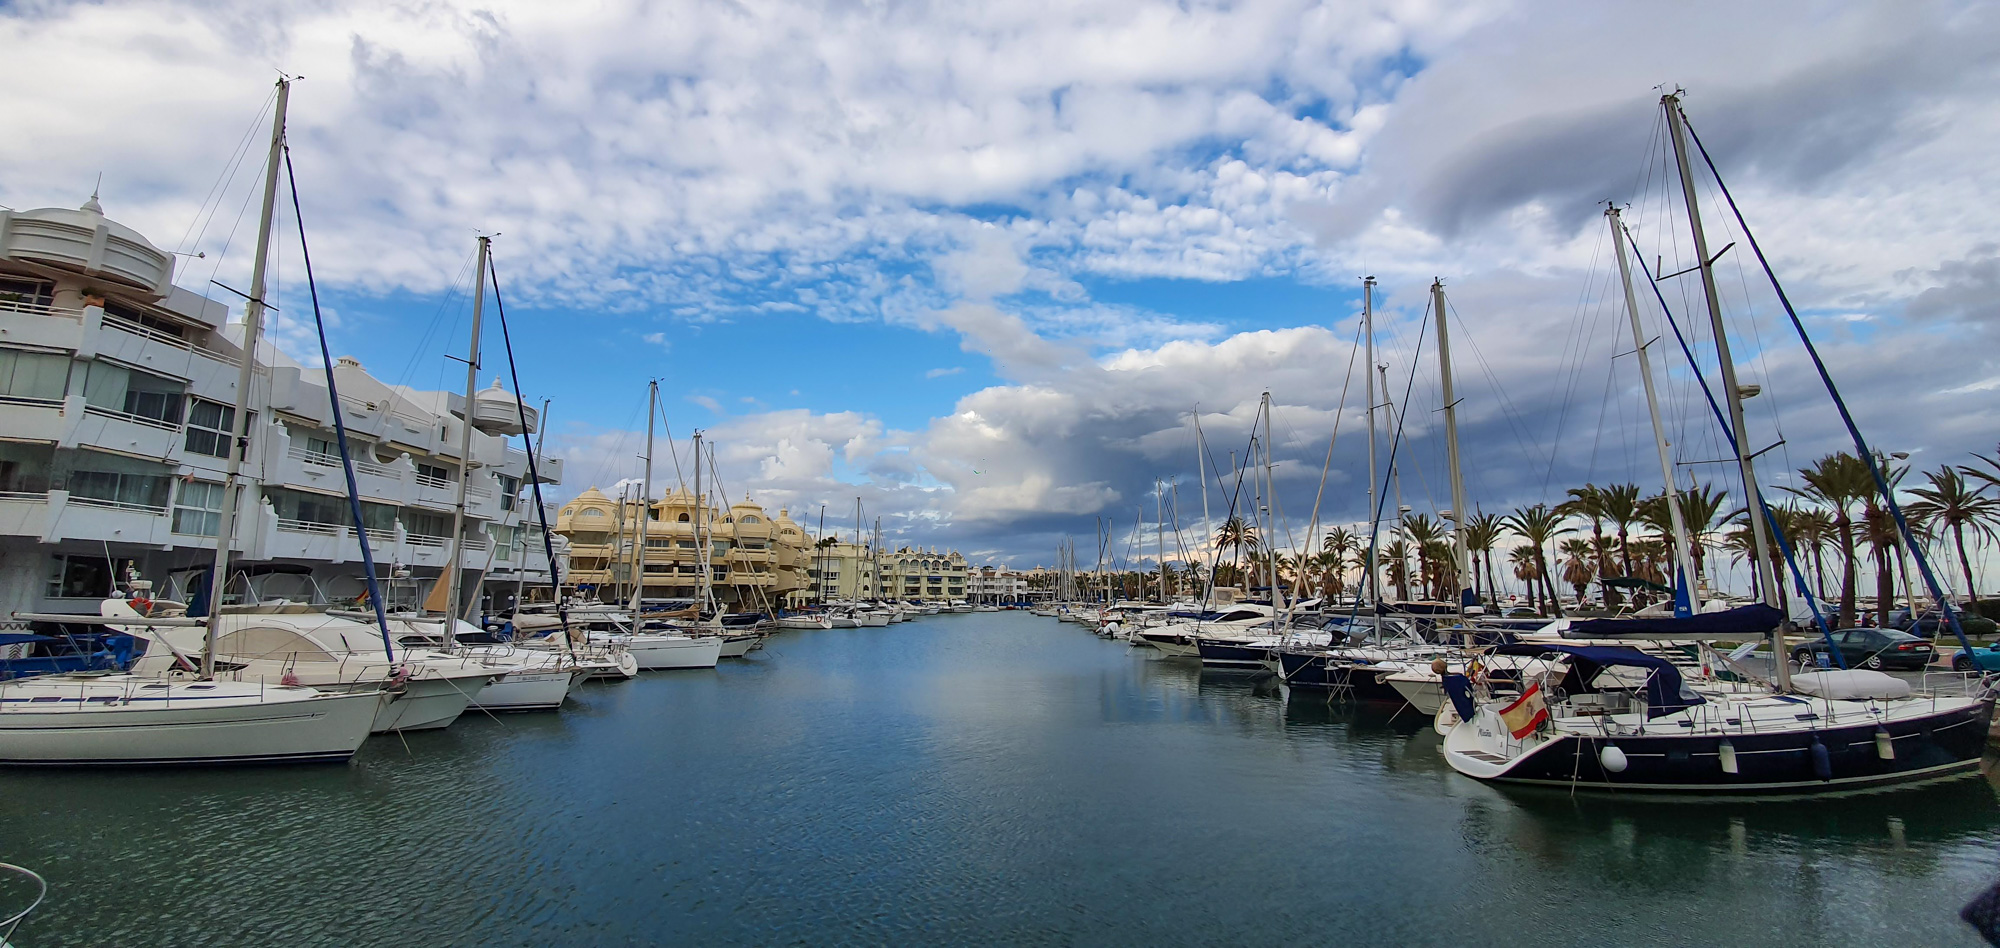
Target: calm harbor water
{"points": [[968, 779]]}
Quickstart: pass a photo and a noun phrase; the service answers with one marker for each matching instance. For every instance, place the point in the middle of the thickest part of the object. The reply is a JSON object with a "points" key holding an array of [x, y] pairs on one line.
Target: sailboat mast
{"points": [[457, 567], [645, 503], [1683, 549], [234, 484], [1269, 510], [700, 543], [1461, 564], [1767, 578], [1160, 536], [1374, 522], [1207, 541]]}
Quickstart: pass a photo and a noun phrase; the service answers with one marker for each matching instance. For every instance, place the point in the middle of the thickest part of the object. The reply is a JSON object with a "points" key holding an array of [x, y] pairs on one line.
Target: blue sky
{"points": [[976, 263]]}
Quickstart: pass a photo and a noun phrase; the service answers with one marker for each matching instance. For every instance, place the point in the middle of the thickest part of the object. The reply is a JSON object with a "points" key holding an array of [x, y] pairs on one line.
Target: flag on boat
{"points": [[1526, 713]]}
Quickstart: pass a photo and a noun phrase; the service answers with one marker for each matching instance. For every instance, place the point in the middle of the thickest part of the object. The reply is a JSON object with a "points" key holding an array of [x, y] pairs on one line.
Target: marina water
{"points": [[964, 779]]}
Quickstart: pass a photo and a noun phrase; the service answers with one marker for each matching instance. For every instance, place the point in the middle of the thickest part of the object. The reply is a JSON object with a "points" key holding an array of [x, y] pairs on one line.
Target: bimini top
{"points": [[1666, 691], [1753, 620]]}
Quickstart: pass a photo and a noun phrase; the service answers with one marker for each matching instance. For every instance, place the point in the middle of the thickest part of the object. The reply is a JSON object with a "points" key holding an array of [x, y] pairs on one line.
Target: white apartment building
{"points": [[116, 406], [996, 584]]}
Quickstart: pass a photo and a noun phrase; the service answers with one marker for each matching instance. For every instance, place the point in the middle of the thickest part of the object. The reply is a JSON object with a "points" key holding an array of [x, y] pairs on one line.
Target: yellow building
{"points": [[755, 561], [856, 571]]}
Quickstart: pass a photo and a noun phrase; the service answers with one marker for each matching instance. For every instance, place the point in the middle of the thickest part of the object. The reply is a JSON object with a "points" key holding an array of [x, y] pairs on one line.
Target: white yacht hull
{"points": [[737, 646], [293, 725], [666, 652], [528, 689], [425, 703]]}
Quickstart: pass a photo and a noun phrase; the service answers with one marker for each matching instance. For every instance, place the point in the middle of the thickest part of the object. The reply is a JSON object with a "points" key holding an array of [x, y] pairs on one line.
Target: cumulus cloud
{"points": [[967, 169]]}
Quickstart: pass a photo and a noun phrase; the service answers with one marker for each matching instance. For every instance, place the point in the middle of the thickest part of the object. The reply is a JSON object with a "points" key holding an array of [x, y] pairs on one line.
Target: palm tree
{"points": [[1700, 506], [1398, 555], [1337, 546], [1811, 531], [1579, 556], [1621, 507], [1527, 568], [1839, 481], [1539, 526], [1950, 502], [1425, 534], [1482, 534], [1234, 534], [1588, 502]]}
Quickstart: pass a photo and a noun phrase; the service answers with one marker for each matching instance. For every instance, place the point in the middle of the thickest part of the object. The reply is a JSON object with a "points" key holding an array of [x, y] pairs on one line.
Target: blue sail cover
{"points": [[1666, 692], [1741, 622]]}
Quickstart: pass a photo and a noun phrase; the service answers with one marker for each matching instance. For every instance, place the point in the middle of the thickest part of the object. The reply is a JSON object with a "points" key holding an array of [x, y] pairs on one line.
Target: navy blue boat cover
{"points": [[1753, 620], [1666, 693]]}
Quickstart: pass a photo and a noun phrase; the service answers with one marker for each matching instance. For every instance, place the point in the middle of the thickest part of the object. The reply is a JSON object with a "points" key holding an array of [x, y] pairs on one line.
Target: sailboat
{"points": [[657, 650], [131, 719], [1592, 716]]}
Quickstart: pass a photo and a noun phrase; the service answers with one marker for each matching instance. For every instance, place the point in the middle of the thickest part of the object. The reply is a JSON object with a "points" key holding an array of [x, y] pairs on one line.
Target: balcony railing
{"points": [[307, 526], [118, 505], [428, 542], [127, 326], [38, 309], [27, 402], [38, 495], [128, 416], [437, 482]]}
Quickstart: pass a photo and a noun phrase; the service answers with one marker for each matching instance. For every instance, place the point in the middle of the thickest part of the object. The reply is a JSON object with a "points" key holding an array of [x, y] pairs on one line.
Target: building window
{"points": [[24, 468], [41, 375], [434, 472], [84, 577], [198, 509], [154, 323], [209, 427], [510, 491], [116, 388], [119, 480], [309, 508], [27, 292]]}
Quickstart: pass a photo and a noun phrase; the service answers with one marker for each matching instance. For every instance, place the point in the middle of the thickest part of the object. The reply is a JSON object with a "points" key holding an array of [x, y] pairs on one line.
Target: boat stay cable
{"points": [[1846, 417], [534, 473], [339, 424]]}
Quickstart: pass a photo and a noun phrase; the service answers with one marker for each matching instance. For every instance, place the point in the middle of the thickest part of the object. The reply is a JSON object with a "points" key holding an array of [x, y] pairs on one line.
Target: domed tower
{"points": [[497, 411], [83, 251]]}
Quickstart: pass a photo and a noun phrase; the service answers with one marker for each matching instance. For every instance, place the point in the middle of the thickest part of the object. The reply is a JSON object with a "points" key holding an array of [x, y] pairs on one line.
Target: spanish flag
{"points": [[1526, 713]]}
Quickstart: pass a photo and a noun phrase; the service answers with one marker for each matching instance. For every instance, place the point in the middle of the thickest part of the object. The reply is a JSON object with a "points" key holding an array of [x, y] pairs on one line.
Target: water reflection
{"points": [[977, 779]]}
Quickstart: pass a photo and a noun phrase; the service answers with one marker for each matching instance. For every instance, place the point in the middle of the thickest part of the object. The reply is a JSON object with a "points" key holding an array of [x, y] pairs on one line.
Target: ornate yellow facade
{"points": [[756, 560]]}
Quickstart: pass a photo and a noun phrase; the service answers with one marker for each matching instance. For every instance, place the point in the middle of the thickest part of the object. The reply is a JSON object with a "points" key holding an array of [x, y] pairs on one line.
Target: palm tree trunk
{"points": [[1848, 568], [1965, 563], [1885, 586], [1542, 565]]}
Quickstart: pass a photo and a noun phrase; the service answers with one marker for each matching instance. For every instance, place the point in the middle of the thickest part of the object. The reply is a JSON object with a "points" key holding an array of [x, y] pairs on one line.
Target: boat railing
{"points": [[29, 879]]}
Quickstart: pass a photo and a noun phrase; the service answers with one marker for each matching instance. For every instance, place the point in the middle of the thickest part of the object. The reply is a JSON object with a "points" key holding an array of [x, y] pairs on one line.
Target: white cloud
{"points": [[941, 373]]}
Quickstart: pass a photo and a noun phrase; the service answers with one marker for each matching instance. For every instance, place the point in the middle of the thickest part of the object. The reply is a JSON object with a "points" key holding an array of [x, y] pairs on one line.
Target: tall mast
{"points": [[645, 503], [819, 555], [1683, 548], [1201, 468], [1461, 566], [1395, 468], [457, 578], [1374, 521], [700, 543], [1160, 536], [234, 484], [1767, 578], [1270, 512]]}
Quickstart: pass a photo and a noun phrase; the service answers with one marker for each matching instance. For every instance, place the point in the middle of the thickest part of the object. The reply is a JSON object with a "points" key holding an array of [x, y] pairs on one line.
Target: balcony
{"points": [[155, 351], [46, 327], [33, 419], [124, 433], [84, 518], [23, 513]]}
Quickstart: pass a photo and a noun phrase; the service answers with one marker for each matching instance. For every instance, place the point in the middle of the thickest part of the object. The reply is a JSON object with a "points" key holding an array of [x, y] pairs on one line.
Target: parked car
{"points": [[1931, 624], [1867, 648], [1981, 659]]}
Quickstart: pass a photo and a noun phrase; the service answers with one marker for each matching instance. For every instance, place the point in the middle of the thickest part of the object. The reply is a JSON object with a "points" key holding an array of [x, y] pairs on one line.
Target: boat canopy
{"points": [[1666, 691], [1752, 621]]}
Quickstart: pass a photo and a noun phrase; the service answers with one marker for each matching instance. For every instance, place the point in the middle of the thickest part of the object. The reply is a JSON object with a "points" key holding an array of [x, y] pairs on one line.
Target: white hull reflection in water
{"points": [[984, 779]]}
